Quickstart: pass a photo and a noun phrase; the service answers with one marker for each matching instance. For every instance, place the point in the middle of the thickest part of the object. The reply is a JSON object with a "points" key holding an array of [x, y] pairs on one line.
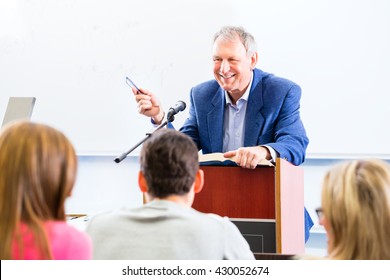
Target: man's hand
{"points": [[149, 105], [249, 157]]}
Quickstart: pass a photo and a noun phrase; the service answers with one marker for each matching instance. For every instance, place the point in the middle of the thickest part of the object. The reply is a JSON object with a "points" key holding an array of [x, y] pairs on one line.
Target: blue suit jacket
{"points": [[272, 117]]}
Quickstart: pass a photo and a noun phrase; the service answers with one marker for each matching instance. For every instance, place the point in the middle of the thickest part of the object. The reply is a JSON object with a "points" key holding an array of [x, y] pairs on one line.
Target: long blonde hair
{"points": [[356, 206], [38, 170]]}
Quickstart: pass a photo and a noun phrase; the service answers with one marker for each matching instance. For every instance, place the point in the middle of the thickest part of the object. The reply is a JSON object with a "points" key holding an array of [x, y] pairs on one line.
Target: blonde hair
{"points": [[356, 206], [38, 170]]}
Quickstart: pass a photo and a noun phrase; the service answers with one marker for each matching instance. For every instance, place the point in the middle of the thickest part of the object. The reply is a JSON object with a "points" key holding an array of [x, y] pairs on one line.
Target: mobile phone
{"points": [[130, 83]]}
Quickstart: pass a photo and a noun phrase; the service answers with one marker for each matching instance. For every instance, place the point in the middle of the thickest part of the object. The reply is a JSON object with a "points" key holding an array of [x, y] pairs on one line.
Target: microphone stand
{"points": [[170, 118]]}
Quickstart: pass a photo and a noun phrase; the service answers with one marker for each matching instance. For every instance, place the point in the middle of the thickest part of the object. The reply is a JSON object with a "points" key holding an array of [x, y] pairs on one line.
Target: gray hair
{"points": [[230, 32]]}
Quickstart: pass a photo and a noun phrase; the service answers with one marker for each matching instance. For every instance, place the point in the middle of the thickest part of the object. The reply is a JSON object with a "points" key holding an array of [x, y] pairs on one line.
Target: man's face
{"points": [[232, 66]]}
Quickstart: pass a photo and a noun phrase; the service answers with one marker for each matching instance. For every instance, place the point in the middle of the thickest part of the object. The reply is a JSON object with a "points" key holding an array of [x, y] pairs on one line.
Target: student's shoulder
{"points": [[60, 230], [107, 217], [216, 219], [68, 242]]}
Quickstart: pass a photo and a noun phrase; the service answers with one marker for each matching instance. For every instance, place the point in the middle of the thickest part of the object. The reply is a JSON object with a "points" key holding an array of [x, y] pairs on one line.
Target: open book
{"points": [[219, 159]]}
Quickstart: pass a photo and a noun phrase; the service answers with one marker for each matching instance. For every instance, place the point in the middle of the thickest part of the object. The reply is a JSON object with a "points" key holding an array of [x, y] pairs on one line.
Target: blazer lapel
{"points": [[254, 119], [215, 121]]}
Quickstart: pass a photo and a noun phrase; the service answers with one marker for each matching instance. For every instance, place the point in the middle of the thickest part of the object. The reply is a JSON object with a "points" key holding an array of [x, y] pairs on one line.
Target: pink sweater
{"points": [[67, 243]]}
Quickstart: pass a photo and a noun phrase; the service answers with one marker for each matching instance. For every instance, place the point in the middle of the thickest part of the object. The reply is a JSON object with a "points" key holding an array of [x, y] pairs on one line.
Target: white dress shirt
{"points": [[234, 123]]}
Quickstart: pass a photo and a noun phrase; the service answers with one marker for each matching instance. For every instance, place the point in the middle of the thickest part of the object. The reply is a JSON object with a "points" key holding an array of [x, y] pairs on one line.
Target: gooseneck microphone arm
{"points": [[179, 106], [124, 155]]}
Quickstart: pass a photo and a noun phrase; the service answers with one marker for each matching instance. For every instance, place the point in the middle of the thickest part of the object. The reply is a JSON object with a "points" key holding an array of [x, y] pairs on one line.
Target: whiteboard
{"points": [[74, 55]]}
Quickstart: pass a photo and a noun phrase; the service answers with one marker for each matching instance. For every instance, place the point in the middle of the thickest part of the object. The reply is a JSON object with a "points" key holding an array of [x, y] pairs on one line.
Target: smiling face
{"points": [[232, 65]]}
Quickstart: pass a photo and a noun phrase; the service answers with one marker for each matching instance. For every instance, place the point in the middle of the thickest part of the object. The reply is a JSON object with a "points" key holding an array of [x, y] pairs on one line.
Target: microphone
{"points": [[178, 107]]}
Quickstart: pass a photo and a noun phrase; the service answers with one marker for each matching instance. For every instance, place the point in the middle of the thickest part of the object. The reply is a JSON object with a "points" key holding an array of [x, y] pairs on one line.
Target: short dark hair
{"points": [[169, 161]]}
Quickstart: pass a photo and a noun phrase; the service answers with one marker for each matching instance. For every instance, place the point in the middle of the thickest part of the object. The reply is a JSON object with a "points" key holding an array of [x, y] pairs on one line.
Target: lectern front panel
{"points": [[238, 192]]}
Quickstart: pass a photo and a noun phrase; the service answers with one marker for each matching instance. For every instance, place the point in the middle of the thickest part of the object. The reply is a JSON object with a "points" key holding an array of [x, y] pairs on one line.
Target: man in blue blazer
{"points": [[272, 117], [244, 112]]}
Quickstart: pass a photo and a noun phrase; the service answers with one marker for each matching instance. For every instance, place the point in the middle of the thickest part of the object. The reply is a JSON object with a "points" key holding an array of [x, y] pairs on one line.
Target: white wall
{"points": [[104, 185]]}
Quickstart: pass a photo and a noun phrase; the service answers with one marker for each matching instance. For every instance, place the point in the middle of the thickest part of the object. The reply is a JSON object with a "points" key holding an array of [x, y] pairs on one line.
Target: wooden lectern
{"points": [[265, 203]]}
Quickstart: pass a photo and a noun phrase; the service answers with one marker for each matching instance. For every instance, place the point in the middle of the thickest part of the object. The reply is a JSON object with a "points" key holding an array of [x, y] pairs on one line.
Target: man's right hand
{"points": [[149, 105]]}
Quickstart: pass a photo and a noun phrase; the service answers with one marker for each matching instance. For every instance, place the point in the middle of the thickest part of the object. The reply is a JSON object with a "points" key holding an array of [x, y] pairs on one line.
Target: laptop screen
{"points": [[18, 108]]}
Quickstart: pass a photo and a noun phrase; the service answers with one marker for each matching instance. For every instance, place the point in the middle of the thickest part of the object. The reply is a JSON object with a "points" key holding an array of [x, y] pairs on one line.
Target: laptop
{"points": [[18, 108]]}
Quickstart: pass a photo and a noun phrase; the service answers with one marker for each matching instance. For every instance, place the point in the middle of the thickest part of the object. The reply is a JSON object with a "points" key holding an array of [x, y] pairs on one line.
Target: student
{"points": [[356, 210], [244, 112], [166, 227], [38, 170]]}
